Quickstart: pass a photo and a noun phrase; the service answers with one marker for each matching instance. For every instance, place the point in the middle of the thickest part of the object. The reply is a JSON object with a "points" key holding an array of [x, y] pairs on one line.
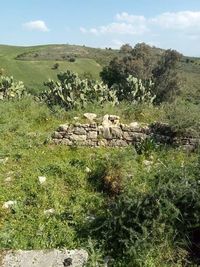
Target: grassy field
{"points": [[34, 72], [61, 212]]}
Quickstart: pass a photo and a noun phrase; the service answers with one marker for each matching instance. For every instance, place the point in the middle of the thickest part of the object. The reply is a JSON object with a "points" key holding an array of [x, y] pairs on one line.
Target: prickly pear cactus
{"points": [[72, 92], [10, 89], [140, 92]]}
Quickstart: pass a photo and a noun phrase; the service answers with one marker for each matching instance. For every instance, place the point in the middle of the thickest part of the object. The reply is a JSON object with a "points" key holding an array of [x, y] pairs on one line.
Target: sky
{"points": [[171, 24]]}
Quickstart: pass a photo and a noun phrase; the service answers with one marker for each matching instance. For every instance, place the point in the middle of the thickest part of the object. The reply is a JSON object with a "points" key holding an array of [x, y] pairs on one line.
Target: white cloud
{"points": [[130, 18], [37, 25], [83, 30], [123, 28], [94, 31], [117, 28], [182, 20], [130, 24]]}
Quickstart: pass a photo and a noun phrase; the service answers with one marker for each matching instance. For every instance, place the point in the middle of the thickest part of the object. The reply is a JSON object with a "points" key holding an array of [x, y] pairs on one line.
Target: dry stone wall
{"points": [[111, 133]]}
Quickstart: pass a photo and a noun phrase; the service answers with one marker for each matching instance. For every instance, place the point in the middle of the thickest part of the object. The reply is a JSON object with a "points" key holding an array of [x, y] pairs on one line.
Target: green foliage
{"points": [[138, 92], [126, 49], [135, 91], [10, 89], [142, 63], [72, 92], [167, 83], [163, 214], [72, 59], [137, 62]]}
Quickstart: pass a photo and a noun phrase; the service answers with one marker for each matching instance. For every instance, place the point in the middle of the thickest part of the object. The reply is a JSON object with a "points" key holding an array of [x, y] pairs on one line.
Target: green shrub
{"points": [[160, 217], [10, 89], [140, 92], [72, 92]]}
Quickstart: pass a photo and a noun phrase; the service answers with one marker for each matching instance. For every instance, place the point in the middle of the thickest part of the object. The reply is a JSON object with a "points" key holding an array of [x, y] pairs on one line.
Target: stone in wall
{"points": [[110, 132]]}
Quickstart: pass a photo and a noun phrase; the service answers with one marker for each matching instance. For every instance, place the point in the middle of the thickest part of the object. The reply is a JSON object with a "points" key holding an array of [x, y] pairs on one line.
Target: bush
{"points": [[55, 66], [72, 59], [72, 92], [164, 214], [10, 89]]}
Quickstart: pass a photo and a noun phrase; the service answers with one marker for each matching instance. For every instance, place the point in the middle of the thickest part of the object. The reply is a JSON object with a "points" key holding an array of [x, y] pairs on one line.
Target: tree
{"points": [[166, 79], [126, 49], [136, 63]]}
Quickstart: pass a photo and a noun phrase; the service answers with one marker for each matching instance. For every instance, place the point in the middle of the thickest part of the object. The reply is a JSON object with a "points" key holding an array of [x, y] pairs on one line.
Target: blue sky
{"points": [[102, 23]]}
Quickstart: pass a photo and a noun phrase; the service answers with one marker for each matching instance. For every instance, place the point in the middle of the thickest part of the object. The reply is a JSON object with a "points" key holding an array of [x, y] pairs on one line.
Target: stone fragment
{"points": [[85, 125], [57, 141], [44, 258], [133, 136], [102, 142], [147, 162], [8, 179], [87, 170], [75, 137], [79, 130], [66, 142], [125, 127], [106, 133], [70, 129], [188, 148], [76, 118], [9, 204], [134, 124], [42, 179], [127, 136], [92, 135], [57, 135], [49, 211], [63, 127], [145, 129], [114, 119], [93, 126], [116, 132], [3, 160], [118, 143], [90, 116], [91, 143], [106, 122]]}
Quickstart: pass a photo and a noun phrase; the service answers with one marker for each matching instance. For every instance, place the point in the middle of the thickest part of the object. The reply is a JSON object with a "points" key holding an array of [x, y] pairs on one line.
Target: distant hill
{"points": [[34, 64]]}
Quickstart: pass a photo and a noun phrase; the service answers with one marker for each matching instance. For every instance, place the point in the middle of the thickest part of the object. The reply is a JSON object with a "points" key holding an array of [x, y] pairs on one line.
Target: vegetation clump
{"points": [[72, 92], [140, 63], [10, 89]]}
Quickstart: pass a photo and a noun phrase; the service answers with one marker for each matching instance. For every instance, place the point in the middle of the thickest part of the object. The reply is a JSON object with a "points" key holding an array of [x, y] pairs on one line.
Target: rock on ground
{"points": [[43, 258]]}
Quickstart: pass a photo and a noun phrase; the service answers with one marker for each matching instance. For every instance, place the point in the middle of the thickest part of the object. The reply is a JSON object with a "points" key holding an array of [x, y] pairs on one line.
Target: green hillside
{"points": [[33, 72]]}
